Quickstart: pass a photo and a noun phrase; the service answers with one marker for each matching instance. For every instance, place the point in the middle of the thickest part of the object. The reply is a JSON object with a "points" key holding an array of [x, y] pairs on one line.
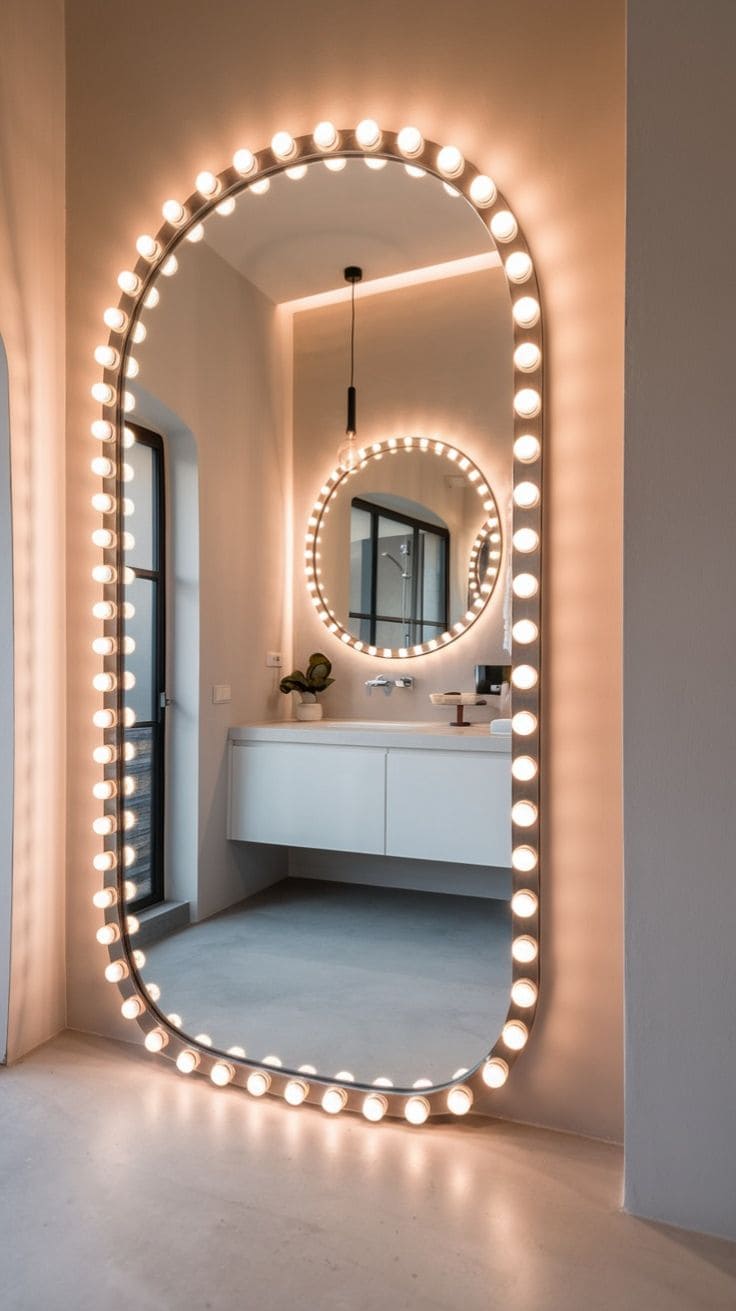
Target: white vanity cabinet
{"points": [[419, 791]]}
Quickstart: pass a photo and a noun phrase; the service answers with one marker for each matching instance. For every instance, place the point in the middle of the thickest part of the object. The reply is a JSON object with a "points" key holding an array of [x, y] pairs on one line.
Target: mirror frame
{"points": [[156, 256], [329, 490]]}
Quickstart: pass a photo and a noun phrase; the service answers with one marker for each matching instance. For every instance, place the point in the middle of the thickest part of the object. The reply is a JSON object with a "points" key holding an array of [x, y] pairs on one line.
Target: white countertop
{"points": [[376, 733]]}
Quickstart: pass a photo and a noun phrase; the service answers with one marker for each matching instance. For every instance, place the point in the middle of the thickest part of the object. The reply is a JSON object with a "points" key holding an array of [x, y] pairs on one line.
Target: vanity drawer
{"points": [[449, 805], [300, 795]]}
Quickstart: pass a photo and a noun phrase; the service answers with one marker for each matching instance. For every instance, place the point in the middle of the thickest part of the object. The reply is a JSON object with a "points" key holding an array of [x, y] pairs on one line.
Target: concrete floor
{"points": [[126, 1185], [378, 981]]}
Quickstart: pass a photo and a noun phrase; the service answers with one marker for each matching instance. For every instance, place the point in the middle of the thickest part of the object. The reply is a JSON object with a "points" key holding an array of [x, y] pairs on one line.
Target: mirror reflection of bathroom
{"points": [[323, 847]]}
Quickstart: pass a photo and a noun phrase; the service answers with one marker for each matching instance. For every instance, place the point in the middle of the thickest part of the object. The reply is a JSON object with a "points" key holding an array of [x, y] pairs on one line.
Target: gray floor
{"points": [[377, 981], [125, 1185]]}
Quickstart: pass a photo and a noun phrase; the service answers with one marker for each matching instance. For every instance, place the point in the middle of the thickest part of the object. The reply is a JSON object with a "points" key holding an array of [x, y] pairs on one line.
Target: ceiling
{"points": [[296, 239]]}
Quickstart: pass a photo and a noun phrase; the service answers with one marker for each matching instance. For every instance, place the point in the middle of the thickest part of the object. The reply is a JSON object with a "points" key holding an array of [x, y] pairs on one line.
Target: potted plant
{"points": [[308, 686]]}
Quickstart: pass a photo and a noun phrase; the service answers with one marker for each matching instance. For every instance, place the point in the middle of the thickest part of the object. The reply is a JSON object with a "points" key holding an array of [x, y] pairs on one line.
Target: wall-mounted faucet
{"points": [[387, 684]]}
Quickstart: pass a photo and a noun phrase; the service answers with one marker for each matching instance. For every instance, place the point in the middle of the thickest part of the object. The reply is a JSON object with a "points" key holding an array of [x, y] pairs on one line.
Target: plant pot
{"points": [[308, 710]]}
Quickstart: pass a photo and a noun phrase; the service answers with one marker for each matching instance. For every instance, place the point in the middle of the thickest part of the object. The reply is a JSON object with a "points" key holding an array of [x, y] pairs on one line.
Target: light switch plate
{"points": [[221, 694], [274, 659]]}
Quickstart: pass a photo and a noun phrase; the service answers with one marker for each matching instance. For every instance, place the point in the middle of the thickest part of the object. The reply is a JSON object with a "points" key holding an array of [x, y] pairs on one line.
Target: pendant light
{"points": [[347, 455]]}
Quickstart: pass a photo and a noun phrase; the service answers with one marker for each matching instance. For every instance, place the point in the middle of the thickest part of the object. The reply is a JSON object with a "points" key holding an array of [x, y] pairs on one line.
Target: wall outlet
{"points": [[221, 694], [274, 659]]}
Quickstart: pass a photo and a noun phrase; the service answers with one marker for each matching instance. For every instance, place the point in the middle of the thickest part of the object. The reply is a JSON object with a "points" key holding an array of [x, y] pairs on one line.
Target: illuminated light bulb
{"points": [[129, 890], [526, 540], [102, 467], [518, 266], [236, 1051], [175, 1019], [129, 752], [410, 142], [103, 718], [524, 586], [102, 430], [103, 393], [283, 145], [222, 1074], [504, 226], [116, 971], [296, 1092], [348, 455], [115, 319], [450, 161], [260, 188], [527, 357], [334, 1100], [383, 1082], [152, 299], [108, 934], [155, 1040], [196, 233], [206, 183], [524, 677], [524, 949], [524, 769], [105, 790], [495, 1072], [174, 212], [132, 925], [335, 165], [154, 992], [523, 814], [459, 1100], [129, 680], [147, 247], [128, 717], [526, 495], [374, 1107], [376, 163], [523, 994], [526, 311], [226, 207], [169, 266], [451, 191], [131, 1008], [297, 172], [416, 1110], [412, 171], [274, 1061], [139, 333], [244, 162], [527, 402], [482, 191], [105, 898], [324, 136], [140, 959], [103, 861], [129, 398], [187, 1061], [204, 1039], [514, 1035], [524, 902], [104, 825], [107, 357], [368, 134], [104, 682], [103, 502], [129, 282], [104, 538], [345, 1076], [258, 1083], [307, 1069]]}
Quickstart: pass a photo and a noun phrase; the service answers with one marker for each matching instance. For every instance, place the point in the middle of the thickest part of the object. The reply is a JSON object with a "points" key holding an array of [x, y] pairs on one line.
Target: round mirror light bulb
{"points": [[226, 207], [410, 142], [222, 1074], [524, 677], [261, 187], [116, 971], [244, 162], [129, 282], [258, 1083], [174, 212], [325, 136], [283, 145], [105, 898], [524, 631], [523, 814], [527, 402], [524, 586], [187, 1061], [104, 861], [102, 430], [103, 393], [524, 859], [482, 191], [152, 298], [524, 723], [107, 357], [296, 173], [524, 902], [206, 183], [374, 1107], [450, 161], [524, 949], [526, 495], [495, 1072], [368, 134], [518, 266], [459, 1100], [115, 319], [196, 233], [131, 1008], [155, 1040], [107, 934], [147, 247], [514, 1035], [524, 769], [169, 267], [296, 1092], [523, 993], [503, 225], [416, 1110], [334, 1100], [335, 165], [527, 357], [526, 540], [525, 311]]}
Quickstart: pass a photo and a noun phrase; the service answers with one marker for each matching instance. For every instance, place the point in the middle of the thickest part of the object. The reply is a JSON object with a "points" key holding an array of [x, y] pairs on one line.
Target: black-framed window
{"points": [[147, 627], [399, 576]]}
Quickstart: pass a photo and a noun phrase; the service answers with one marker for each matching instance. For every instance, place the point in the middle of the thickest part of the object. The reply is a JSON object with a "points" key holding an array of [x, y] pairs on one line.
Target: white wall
{"points": [[433, 360], [6, 703], [32, 302], [680, 616]]}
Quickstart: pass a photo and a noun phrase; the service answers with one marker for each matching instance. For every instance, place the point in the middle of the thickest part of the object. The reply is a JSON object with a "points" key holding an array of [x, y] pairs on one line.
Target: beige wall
{"points": [[534, 94], [32, 328], [433, 360]]}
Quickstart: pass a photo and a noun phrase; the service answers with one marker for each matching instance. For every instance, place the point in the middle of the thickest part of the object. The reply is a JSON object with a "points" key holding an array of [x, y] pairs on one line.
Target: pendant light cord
{"points": [[352, 333]]}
